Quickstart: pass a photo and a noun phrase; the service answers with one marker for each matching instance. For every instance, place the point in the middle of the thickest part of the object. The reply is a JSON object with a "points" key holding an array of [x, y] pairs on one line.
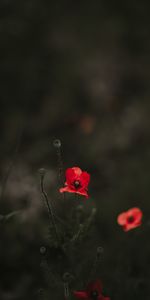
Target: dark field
{"points": [[79, 72]]}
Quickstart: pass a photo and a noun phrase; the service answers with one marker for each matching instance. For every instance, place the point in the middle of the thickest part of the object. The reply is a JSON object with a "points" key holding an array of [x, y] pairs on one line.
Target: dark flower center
{"points": [[130, 219], [94, 295], [76, 184]]}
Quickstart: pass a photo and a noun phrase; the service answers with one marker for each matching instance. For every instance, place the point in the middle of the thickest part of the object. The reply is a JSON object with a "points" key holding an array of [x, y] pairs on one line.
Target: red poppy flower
{"points": [[130, 219], [76, 182], [92, 292]]}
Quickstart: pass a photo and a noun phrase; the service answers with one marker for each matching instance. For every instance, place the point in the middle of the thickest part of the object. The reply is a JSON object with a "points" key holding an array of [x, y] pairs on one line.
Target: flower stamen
{"points": [[77, 184]]}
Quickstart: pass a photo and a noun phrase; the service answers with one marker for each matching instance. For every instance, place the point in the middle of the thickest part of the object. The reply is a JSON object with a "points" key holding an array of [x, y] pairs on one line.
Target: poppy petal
{"points": [[82, 192], [94, 285], [129, 226], [122, 218], [70, 176], [136, 213], [77, 171], [84, 179], [80, 295], [67, 189]]}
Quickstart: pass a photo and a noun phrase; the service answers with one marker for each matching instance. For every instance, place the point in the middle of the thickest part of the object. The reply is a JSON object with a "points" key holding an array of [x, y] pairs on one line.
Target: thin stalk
{"points": [[77, 235], [96, 262], [66, 279], [49, 208], [66, 290], [57, 145]]}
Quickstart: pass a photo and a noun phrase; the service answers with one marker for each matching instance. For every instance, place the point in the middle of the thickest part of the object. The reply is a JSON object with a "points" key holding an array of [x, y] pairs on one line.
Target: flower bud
{"points": [[66, 277], [94, 210], [42, 171], [42, 250], [100, 251], [57, 143]]}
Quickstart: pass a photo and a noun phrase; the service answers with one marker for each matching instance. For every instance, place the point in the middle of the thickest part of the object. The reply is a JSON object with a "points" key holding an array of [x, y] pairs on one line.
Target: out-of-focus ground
{"points": [[79, 72]]}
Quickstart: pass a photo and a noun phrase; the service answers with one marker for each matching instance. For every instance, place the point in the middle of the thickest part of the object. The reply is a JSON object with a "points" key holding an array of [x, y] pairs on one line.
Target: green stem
{"points": [[49, 208]]}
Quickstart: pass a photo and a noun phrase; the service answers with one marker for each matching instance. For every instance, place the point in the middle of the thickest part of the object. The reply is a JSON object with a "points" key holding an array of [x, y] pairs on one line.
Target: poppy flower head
{"points": [[92, 292], [130, 219], [76, 182]]}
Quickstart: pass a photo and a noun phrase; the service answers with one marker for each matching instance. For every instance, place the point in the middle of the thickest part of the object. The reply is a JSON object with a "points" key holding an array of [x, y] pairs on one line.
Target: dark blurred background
{"points": [[77, 71]]}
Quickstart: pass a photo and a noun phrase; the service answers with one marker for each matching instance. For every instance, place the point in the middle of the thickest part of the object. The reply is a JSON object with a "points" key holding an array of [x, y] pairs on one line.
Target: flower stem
{"points": [[96, 261], [49, 207], [57, 145]]}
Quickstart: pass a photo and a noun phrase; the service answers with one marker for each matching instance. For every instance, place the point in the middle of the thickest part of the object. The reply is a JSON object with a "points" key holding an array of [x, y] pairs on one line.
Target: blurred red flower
{"points": [[92, 292], [76, 182], [130, 219]]}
